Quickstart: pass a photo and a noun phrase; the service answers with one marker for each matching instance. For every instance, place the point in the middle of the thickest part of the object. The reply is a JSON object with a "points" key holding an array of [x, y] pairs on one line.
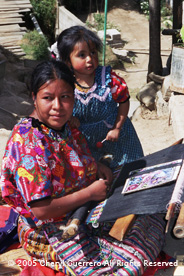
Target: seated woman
{"points": [[48, 172]]}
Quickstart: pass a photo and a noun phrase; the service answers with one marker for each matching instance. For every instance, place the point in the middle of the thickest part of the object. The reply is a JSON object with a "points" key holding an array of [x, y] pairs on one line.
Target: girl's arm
{"points": [[122, 114], [120, 94], [123, 109]]}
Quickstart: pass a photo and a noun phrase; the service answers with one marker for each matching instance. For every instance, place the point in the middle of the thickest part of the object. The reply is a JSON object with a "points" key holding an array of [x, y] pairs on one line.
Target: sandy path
{"points": [[155, 133]]}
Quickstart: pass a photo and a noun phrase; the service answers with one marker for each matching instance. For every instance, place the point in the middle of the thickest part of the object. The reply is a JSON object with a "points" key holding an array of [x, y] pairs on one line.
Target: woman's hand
{"points": [[55, 207], [113, 135], [98, 190], [104, 172]]}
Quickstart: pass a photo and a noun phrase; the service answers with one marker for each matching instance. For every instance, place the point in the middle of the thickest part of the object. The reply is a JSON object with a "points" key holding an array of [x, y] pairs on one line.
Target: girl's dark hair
{"points": [[50, 71], [69, 37]]}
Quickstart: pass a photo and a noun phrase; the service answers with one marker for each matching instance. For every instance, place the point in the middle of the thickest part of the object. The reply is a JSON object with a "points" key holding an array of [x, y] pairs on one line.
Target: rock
{"points": [[15, 101], [4, 134], [2, 71], [120, 52], [166, 91], [162, 107], [8, 120], [113, 36], [147, 95], [156, 78], [176, 104], [137, 114], [15, 87], [17, 105]]}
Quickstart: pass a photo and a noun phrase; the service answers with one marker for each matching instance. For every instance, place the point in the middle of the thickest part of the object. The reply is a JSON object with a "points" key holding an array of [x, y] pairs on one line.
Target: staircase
{"points": [[12, 25]]}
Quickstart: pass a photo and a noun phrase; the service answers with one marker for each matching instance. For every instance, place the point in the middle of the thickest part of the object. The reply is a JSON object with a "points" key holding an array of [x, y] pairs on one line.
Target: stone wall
{"points": [[66, 19]]}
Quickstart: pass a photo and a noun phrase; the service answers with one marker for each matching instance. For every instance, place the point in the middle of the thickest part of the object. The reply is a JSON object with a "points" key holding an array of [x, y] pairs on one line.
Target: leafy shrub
{"points": [[144, 5], [98, 23], [45, 12], [182, 33], [35, 45], [165, 10]]}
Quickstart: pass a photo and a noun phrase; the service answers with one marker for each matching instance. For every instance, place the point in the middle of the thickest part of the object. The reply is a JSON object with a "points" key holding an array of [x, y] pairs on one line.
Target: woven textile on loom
{"points": [[148, 201]]}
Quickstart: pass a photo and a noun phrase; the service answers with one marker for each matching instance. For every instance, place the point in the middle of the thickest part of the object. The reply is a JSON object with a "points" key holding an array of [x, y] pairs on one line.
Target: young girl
{"points": [[101, 98]]}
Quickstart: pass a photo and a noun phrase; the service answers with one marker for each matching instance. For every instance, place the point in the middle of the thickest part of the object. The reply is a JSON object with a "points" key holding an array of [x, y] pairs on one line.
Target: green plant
{"points": [[45, 12], [180, 37], [98, 23], [167, 22], [110, 59], [182, 34], [35, 45], [165, 11], [144, 5]]}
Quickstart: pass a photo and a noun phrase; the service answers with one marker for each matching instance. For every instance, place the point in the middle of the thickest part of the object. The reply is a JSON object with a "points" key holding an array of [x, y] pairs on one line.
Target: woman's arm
{"points": [[56, 207], [123, 109]]}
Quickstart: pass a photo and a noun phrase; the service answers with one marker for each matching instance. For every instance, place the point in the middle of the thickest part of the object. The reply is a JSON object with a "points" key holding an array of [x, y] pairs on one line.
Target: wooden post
{"points": [[177, 18], [179, 226], [155, 62]]}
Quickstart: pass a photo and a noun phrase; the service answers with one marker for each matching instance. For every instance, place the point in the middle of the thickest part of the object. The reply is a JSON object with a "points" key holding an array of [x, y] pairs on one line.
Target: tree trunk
{"points": [[155, 62], [177, 17]]}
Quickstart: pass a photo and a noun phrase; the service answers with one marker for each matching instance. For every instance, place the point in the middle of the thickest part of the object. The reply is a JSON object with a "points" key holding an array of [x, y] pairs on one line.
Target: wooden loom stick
{"points": [[176, 196], [179, 226], [180, 141], [122, 226], [169, 215], [171, 207]]}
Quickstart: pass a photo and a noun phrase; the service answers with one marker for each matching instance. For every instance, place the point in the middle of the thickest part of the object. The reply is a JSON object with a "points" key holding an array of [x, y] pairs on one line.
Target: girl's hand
{"points": [[74, 121], [98, 190], [113, 135]]}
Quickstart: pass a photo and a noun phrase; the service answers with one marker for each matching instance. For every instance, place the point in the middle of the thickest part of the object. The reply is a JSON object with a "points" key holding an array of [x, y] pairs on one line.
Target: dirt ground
{"points": [[134, 28], [155, 133]]}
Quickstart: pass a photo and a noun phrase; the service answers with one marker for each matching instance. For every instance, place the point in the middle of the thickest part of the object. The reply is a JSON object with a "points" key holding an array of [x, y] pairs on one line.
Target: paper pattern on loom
{"points": [[150, 177]]}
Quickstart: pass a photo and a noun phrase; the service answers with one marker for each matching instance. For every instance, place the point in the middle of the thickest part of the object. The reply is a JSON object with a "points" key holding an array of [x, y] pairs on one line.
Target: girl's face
{"points": [[84, 58], [54, 103]]}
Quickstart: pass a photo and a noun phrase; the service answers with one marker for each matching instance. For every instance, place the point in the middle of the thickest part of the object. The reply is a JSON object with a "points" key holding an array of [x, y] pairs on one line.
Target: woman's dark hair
{"points": [[69, 37], [50, 71]]}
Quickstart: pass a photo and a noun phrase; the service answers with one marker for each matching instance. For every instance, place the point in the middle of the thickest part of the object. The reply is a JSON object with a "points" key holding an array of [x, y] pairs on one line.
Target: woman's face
{"points": [[54, 103]]}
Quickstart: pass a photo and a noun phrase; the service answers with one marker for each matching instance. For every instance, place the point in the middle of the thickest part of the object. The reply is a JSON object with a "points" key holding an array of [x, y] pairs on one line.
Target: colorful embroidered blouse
{"points": [[97, 110], [40, 162], [119, 88]]}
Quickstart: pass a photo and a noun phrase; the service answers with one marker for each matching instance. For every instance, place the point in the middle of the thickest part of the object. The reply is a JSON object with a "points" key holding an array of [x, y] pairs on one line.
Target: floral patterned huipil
{"points": [[40, 162]]}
